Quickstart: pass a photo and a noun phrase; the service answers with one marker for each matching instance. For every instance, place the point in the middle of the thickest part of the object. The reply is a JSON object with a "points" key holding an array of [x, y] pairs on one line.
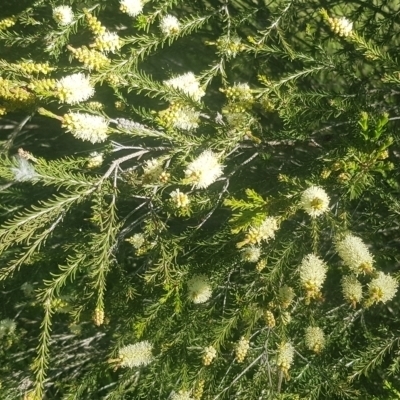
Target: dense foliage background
{"points": [[129, 270]]}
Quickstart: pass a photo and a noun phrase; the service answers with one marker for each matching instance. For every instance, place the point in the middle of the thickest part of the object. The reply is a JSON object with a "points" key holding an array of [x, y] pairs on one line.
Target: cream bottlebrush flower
{"points": [[240, 94], [137, 240], [285, 296], [188, 84], [230, 45], [108, 42], [315, 339], [98, 316], [286, 318], [127, 124], [355, 254], [241, 349], [181, 395], [204, 170], [95, 160], [88, 127], [251, 254], [131, 7], [351, 289], [180, 117], [74, 88], [267, 229], [341, 26], [199, 289], [237, 120], [185, 118], [136, 355], [179, 199], [209, 354], [24, 171], [269, 319], [152, 167], [285, 357], [63, 15], [261, 265], [382, 289], [170, 25], [262, 232], [312, 275], [314, 201]]}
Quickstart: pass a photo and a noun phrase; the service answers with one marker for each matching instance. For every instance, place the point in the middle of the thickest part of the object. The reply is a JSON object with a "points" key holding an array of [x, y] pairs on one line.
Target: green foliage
{"points": [[252, 210], [191, 191]]}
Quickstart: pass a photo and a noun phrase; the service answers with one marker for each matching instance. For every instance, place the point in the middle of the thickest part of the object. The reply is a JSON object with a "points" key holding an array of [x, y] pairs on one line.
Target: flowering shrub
{"points": [[199, 200]]}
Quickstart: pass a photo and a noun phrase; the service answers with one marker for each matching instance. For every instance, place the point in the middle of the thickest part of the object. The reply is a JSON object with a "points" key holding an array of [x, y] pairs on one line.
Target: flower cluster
{"points": [[312, 275], [351, 289], [95, 160], [204, 170], [314, 201], [7, 23], [16, 96], [315, 339], [127, 124], [181, 395], [382, 289], [241, 349], [209, 354], [92, 59], [269, 319], [108, 42], [88, 127], [198, 390], [63, 15], [262, 264], [137, 240], [98, 317], [262, 232], [286, 318], [152, 170], [74, 88], [24, 170], [230, 45], [188, 84], [341, 26], [30, 67], [285, 357], [42, 86], [94, 24], [199, 289], [239, 121], [164, 178], [285, 296], [170, 25], [136, 355], [95, 105], [355, 254], [179, 116], [240, 98], [251, 254], [185, 119], [179, 199], [131, 7]]}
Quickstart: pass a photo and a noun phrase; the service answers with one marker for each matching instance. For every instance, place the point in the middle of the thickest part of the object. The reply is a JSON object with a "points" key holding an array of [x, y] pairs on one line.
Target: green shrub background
{"points": [[288, 104]]}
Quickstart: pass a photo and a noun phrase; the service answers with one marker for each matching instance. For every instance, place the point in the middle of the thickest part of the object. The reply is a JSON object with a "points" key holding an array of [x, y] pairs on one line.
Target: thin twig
{"points": [[239, 376]]}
